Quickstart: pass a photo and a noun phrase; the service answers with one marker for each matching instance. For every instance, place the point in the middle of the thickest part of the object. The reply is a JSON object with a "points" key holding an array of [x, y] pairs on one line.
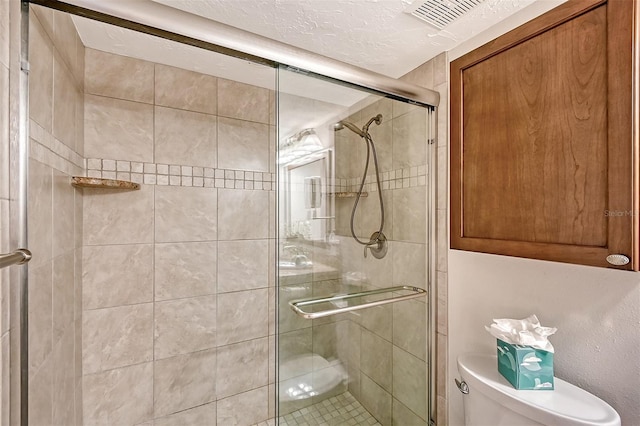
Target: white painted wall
{"points": [[596, 310]]}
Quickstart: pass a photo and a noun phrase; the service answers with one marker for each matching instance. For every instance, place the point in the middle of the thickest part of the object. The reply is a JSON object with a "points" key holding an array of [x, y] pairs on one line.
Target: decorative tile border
{"points": [[394, 179], [48, 150], [179, 175]]}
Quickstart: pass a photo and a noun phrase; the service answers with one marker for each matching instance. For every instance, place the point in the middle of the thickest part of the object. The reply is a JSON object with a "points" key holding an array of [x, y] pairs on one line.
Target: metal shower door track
{"points": [[164, 21]]}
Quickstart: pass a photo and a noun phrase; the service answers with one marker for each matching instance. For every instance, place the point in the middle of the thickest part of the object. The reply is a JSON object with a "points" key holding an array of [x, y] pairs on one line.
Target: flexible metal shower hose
{"points": [[370, 147]]}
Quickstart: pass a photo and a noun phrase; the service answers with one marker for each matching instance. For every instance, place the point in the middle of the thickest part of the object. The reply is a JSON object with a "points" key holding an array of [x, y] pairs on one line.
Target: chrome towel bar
{"points": [[337, 300], [18, 257]]}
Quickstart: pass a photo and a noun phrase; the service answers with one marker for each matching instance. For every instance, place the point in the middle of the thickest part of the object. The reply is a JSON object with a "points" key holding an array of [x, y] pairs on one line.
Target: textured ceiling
{"points": [[373, 34]]}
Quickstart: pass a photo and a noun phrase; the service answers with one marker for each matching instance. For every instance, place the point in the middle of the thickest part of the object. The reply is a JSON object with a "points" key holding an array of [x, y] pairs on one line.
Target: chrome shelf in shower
{"points": [[341, 303]]}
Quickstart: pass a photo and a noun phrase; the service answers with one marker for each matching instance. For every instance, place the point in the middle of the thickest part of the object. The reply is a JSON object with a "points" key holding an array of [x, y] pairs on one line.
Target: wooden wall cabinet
{"points": [[544, 152]]}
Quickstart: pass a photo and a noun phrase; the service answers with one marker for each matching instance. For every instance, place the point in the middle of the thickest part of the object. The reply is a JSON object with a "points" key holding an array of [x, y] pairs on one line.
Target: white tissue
{"points": [[526, 332]]}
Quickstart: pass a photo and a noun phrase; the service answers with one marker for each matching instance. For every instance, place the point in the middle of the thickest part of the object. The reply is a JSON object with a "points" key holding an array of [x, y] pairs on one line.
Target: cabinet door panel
{"points": [[533, 162]]}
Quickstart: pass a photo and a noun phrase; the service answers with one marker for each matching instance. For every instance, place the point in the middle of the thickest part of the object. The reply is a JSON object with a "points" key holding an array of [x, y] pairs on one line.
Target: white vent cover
{"points": [[441, 13]]}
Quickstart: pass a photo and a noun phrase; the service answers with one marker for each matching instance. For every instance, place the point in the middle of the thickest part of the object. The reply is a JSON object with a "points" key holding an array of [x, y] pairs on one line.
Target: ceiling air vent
{"points": [[441, 13]]}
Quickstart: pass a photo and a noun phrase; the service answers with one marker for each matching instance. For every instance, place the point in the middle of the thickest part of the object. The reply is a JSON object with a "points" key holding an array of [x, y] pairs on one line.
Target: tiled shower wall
{"points": [[434, 75], [55, 219], [5, 244], [176, 275], [385, 347]]}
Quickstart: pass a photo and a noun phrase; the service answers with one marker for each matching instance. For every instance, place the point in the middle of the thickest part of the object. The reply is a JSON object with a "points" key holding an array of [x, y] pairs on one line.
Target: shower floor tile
{"points": [[340, 410]]}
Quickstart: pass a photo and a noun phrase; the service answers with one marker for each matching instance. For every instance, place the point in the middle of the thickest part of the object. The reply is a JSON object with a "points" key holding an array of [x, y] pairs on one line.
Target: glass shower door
{"points": [[352, 313]]}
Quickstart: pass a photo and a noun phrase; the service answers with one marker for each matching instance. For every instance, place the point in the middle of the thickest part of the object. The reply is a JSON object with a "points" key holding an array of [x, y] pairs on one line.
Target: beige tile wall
{"points": [[5, 243], [433, 74], [176, 289], [55, 221]]}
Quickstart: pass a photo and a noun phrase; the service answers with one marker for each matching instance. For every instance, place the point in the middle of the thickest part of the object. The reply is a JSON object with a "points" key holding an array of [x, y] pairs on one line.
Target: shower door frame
{"points": [[216, 37]]}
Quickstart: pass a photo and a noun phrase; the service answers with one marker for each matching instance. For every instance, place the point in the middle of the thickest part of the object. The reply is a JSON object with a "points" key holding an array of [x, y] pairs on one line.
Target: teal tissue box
{"points": [[525, 367]]}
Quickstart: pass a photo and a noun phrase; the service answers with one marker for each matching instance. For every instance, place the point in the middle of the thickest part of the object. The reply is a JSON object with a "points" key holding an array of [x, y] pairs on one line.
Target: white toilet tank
{"points": [[492, 401]]}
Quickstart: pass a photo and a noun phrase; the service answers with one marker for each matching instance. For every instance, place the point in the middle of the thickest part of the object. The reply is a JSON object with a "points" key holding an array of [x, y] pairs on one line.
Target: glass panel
{"points": [[148, 305], [364, 366]]}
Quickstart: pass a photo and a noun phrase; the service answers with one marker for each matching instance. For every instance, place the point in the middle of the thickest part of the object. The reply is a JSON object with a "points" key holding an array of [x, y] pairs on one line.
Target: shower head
{"points": [[342, 124], [365, 130]]}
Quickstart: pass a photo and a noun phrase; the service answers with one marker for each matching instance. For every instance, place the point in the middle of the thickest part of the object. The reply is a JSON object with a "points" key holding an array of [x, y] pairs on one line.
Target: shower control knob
{"points": [[618, 259]]}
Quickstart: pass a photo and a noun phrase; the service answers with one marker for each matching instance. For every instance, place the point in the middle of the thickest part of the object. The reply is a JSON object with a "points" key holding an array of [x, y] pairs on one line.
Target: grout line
{"points": [[154, 104], [408, 408], [199, 351], [243, 392], [220, 293], [182, 242], [183, 410], [217, 263], [153, 314], [117, 306], [186, 298], [98, 95], [95, 373]]}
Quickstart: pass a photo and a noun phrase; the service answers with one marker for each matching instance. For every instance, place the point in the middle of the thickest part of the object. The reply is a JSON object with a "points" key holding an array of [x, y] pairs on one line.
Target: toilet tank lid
{"points": [[566, 405]]}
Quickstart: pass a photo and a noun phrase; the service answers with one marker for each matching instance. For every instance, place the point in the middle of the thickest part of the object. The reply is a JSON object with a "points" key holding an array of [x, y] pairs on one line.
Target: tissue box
{"points": [[525, 367]]}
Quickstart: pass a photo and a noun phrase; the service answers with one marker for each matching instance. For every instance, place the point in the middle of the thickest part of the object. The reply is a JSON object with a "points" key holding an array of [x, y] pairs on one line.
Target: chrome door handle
{"points": [[18, 257]]}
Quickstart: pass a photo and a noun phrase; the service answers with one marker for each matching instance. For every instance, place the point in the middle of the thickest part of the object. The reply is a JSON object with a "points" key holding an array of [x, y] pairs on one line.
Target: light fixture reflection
{"points": [[302, 391], [299, 145]]}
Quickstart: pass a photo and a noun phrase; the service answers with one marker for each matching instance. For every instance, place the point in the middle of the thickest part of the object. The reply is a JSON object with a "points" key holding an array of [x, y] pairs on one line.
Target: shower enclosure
{"points": [[352, 318], [226, 253]]}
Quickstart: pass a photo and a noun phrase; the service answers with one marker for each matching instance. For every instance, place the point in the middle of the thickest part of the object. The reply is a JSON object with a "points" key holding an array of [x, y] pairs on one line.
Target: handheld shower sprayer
{"points": [[377, 242], [377, 119], [342, 124]]}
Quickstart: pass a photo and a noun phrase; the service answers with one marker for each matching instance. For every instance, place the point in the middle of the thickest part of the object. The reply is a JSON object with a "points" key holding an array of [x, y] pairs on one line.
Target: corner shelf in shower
{"points": [[89, 182], [349, 194]]}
